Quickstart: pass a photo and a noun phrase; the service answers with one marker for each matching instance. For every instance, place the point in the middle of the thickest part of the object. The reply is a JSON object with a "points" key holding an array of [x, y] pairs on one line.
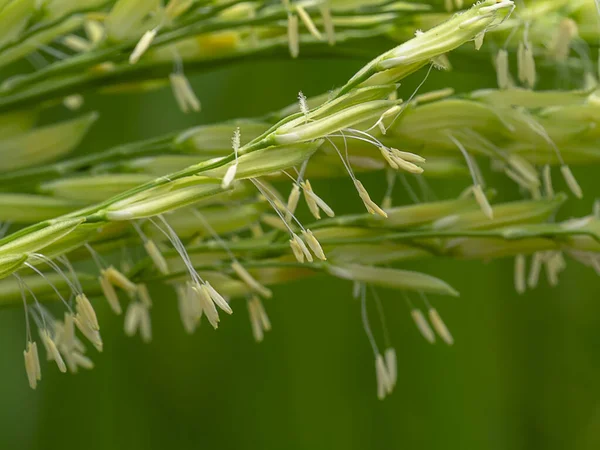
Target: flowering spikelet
{"points": [[32, 364], [423, 325], [440, 327]]}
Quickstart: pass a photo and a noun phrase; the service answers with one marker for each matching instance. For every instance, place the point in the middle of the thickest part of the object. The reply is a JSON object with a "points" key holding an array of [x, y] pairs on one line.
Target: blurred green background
{"points": [[522, 374]]}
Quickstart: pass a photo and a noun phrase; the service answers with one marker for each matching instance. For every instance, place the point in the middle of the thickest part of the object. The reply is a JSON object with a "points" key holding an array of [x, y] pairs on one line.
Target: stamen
{"points": [[157, 257], [292, 202], [392, 366], [423, 325], [384, 383], [482, 201], [111, 295], [328, 22], [534, 271], [565, 34], [94, 31], [190, 309], [67, 337], [184, 93], [308, 23], [85, 311], [76, 43], [547, 177], [526, 62], [179, 247], [319, 202], [73, 102], [502, 72], [571, 181], [258, 318], [116, 278], [32, 364], [297, 249], [143, 45], [208, 307], [91, 335], [371, 206], [310, 200], [217, 298], [520, 284], [293, 37], [250, 281], [480, 196], [144, 295], [52, 350], [440, 326], [314, 245], [132, 318]]}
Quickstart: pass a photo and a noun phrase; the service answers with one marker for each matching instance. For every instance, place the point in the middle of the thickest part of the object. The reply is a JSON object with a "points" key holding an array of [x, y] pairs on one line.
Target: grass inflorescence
{"points": [[213, 207]]}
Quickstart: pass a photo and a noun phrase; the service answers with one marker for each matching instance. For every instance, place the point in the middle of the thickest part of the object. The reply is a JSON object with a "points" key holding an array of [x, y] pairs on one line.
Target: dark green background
{"points": [[523, 373]]}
